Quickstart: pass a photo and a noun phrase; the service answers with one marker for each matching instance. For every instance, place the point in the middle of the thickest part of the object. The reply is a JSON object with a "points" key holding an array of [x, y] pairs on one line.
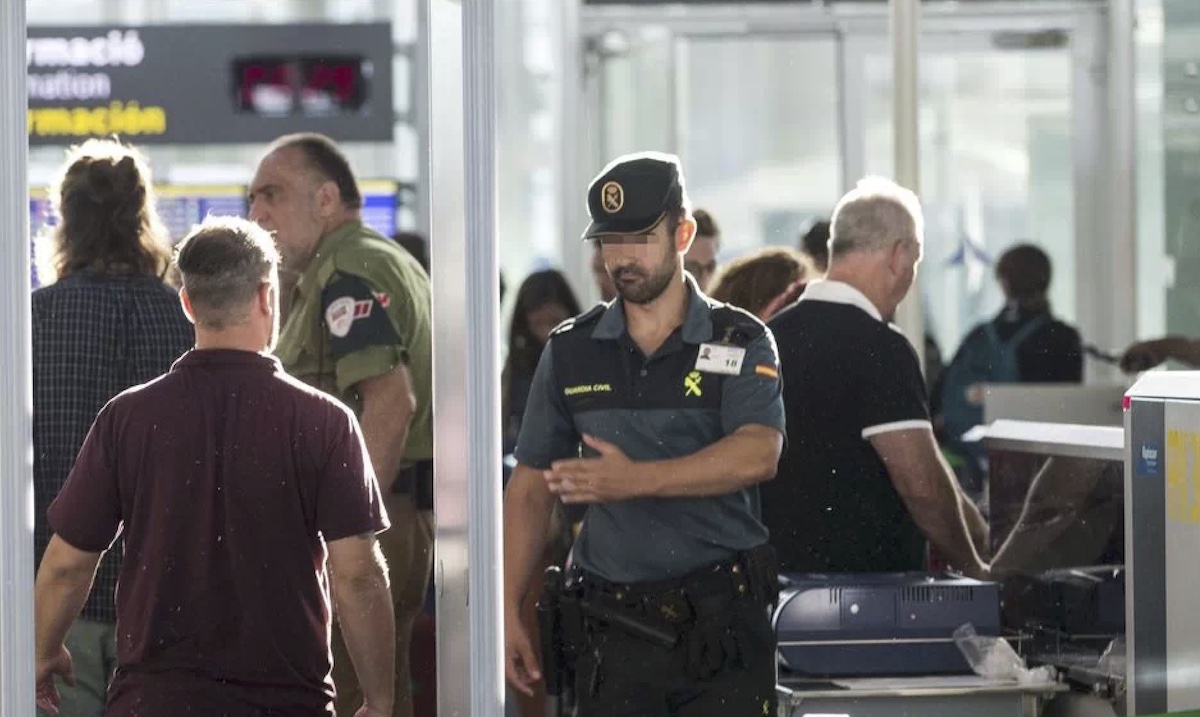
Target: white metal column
{"points": [[485, 577], [906, 48], [573, 168], [16, 389], [851, 110], [1091, 167], [1122, 175], [460, 59]]}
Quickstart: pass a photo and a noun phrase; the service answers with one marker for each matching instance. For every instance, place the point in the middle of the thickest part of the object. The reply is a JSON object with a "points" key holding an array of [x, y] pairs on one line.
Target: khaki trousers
{"points": [[408, 548]]}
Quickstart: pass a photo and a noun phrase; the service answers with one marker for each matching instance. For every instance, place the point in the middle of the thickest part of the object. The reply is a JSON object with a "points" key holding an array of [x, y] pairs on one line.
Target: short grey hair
{"points": [[876, 214], [223, 262]]}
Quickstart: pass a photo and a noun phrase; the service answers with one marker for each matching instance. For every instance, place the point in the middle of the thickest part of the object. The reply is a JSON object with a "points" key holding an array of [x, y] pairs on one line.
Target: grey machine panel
{"points": [[1162, 522]]}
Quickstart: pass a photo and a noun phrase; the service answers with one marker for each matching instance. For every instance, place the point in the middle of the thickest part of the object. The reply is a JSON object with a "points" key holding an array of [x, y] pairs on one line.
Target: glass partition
{"points": [[763, 158], [996, 170]]}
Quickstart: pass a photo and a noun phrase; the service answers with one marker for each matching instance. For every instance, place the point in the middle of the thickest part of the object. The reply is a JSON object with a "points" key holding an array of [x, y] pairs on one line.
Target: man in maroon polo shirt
{"points": [[231, 483]]}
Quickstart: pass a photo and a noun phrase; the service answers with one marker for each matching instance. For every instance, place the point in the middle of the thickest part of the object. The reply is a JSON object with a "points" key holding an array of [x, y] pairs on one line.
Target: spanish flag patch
{"points": [[765, 369]]}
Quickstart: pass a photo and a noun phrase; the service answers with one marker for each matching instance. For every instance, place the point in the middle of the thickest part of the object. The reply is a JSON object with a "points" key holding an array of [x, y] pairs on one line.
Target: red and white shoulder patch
{"points": [[343, 311]]}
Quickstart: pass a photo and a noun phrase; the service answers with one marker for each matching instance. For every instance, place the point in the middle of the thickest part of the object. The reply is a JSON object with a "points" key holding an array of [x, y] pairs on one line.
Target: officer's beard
{"points": [[637, 287]]}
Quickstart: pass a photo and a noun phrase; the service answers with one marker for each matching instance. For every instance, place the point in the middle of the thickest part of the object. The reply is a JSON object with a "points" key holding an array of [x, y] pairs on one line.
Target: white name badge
{"points": [[719, 358]]}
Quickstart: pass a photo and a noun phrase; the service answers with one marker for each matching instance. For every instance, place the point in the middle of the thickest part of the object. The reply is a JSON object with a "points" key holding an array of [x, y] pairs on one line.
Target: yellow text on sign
{"points": [[1183, 476]]}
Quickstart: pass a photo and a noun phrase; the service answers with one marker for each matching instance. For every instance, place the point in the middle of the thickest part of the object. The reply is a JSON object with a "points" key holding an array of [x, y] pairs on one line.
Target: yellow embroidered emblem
{"points": [[612, 195], [691, 384]]}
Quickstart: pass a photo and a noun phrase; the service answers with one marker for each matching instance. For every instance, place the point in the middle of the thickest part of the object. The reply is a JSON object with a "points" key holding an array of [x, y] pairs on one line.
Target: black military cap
{"points": [[633, 193]]}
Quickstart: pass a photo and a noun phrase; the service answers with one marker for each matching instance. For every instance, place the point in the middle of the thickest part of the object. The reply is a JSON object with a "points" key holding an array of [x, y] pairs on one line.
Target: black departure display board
{"points": [[209, 84]]}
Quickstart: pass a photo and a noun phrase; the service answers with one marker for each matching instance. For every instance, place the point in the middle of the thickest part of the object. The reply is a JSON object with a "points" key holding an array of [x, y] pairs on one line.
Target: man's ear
{"points": [[186, 301], [266, 303], [685, 233], [899, 258], [329, 198]]}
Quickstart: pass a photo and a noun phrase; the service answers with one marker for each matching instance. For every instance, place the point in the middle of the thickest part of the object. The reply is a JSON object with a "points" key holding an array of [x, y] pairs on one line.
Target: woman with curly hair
{"points": [[764, 282]]}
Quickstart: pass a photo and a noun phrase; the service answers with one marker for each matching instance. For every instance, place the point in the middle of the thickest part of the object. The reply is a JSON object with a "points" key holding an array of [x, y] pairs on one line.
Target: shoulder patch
{"points": [[588, 317], [735, 325], [355, 315]]}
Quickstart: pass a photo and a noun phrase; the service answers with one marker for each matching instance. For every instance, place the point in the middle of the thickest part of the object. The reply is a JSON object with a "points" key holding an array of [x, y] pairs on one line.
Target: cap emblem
{"points": [[612, 196]]}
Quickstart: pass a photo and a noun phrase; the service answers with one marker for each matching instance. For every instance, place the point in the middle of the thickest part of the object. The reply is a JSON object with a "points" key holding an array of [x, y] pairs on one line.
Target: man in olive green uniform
{"points": [[358, 327]]}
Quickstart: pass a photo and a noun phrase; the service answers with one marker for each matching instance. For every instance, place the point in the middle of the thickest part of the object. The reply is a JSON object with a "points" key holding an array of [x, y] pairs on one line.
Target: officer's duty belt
{"points": [[750, 575]]}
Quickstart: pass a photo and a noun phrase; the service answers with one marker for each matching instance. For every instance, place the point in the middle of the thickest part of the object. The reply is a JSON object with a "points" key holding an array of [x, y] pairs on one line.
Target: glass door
{"points": [[754, 119], [758, 129], [1002, 120]]}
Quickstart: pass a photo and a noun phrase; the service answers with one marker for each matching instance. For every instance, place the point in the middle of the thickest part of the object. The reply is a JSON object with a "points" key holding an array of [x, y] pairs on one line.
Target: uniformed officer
{"points": [[666, 446], [358, 327]]}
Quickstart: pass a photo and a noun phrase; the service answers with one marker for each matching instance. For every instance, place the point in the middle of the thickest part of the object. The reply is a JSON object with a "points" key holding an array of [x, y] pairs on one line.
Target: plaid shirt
{"points": [[93, 337]]}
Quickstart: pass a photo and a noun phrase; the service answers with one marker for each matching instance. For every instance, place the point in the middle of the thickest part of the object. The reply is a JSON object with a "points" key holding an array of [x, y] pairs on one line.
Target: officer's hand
{"points": [[606, 479], [520, 662]]}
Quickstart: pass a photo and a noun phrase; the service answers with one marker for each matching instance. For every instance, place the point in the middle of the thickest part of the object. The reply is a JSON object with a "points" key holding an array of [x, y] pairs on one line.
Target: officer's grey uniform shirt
{"points": [[593, 379]]}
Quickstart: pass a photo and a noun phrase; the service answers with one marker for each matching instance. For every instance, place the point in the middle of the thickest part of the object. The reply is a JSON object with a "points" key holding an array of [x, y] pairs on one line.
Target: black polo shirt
{"points": [[847, 375], [592, 378]]}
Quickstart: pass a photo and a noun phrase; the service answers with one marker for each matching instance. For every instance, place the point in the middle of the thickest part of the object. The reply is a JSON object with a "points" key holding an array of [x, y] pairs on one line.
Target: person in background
{"points": [[1024, 343], [814, 244], [763, 282], [862, 485], [544, 301], [359, 328], [701, 258], [1053, 353], [105, 322], [232, 483]]}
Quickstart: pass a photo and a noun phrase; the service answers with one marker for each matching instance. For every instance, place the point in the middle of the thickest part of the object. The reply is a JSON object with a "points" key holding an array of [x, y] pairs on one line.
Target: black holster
{"points": [[560, 630], [550, 630]]}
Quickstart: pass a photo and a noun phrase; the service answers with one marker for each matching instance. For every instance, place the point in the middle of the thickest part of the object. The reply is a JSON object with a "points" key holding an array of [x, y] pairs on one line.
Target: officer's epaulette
{"points": [[588, 317], [735, 325]]}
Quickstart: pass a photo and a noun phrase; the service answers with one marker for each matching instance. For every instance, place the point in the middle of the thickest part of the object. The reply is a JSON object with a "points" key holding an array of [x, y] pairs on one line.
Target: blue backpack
{"points": [[984, 358]]}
